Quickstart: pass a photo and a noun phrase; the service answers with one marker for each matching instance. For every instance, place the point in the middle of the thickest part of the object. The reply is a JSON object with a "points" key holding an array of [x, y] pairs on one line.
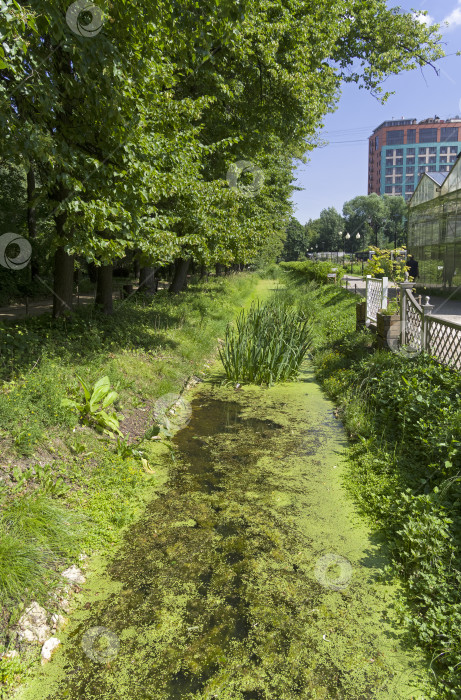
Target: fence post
{"points": [[366, 296], [425, 337], [384, 292], [403, 308]]}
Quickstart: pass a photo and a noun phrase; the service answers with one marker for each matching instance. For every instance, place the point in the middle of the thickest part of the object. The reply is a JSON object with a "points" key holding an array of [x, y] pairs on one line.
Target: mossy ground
{"points": [[216, 591]]}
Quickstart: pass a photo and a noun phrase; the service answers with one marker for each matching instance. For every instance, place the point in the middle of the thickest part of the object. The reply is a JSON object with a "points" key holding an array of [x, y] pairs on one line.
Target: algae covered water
{"points": [[248, 578]]}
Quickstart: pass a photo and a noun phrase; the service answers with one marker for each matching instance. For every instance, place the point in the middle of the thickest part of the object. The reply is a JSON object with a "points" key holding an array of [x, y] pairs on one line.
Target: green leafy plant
{"points": [[268, 344], [392, 308], [382, 265], [313, 271], [92, 410]]}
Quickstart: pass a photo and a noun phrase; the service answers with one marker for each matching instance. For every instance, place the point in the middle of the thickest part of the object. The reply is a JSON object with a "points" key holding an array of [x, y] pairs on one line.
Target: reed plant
{"points": [[267, 344]]}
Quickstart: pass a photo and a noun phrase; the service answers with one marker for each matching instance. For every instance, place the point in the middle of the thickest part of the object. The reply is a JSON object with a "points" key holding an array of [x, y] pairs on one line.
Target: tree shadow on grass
{"points": [[84, 335]]}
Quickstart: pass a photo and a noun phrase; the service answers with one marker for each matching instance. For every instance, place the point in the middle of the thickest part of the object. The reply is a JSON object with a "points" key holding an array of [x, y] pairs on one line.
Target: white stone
{"points": [[32, 626], [74, 575], [13, 654], [47, 649]]}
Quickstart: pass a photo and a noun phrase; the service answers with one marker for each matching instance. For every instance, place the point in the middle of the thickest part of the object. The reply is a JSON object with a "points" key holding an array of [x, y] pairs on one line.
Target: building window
{"points": [[433, 149], [453, 149], [399, 161], [399, 152], [409, 188], [421, 169], [422, 150], [452, 159], [411, 135], [394, 137], [411, 151], [427, 135], [443, 149], [421, 159], [449, 133], [398, 180], [376, 143], [410, 170], [432, 168], [444, 159], [388, 189], [389, 171], [398, 171], [398, 189], [432, 159]]}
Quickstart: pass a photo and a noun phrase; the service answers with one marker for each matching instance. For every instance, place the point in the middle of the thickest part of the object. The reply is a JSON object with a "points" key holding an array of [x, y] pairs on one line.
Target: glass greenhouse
{"points": [[434, 229]]}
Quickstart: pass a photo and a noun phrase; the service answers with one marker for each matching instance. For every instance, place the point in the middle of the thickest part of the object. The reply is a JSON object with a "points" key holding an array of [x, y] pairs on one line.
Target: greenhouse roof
{"points": [[438, 177], [429, 187]]}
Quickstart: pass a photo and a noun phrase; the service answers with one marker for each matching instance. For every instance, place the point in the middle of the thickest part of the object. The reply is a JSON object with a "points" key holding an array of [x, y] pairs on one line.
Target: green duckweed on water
{"points": [[249, 577]]}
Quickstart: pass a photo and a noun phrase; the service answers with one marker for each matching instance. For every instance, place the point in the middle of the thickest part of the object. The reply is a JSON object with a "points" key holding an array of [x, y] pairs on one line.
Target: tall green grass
{"points": [[35, 534], [267, 345]]}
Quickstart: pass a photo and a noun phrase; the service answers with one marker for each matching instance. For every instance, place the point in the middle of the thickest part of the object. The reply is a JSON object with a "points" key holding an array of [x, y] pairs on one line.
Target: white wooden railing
{"points": [[422, 332], [376, 292]]}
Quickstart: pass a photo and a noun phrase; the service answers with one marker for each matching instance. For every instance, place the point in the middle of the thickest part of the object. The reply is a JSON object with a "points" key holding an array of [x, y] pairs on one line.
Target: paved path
{"points": [[37, 308]]}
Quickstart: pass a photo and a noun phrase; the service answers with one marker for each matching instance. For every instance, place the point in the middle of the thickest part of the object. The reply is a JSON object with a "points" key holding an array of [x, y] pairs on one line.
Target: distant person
{"points": [[413, 266]]}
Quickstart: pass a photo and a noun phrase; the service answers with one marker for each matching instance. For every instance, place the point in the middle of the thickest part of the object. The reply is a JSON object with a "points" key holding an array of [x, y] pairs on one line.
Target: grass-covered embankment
{"points": [[65, 489], [403, 416]]}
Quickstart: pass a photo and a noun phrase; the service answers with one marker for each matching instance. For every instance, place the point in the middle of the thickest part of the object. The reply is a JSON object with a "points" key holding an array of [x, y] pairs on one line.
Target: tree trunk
{"points": [[136, 267], [63, 282], [92, 272], [203, 272], [180, 275], [103, 299], [147, 281], [31, 219]]}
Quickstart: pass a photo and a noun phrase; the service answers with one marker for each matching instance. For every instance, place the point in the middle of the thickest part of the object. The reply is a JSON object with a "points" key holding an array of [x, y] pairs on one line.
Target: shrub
{"points": [[312, 271]]}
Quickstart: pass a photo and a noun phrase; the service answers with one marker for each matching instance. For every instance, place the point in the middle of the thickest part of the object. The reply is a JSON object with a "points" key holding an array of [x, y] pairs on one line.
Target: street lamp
{"points": [[347, 236], [357, 237]]}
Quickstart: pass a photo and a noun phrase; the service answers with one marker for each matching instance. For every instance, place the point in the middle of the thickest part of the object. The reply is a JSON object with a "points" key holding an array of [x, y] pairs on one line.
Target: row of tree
{"points": [[121, 124], [369, 220]]}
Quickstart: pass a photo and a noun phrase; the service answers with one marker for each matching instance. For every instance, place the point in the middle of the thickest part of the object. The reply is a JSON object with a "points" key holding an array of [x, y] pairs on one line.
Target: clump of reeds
{"points": [[267, 344]]}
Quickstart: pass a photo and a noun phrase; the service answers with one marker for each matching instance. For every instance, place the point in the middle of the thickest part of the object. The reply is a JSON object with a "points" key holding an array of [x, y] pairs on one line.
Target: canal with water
{"points": [[249, 577]]}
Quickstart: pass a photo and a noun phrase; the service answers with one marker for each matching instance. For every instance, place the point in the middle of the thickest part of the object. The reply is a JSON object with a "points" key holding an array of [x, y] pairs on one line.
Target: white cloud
{"points": [[454, 19], [424, 19]]}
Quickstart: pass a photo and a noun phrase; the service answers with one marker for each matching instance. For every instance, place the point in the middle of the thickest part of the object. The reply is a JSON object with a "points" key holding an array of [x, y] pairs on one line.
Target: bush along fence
{"points": [[411, 328]]}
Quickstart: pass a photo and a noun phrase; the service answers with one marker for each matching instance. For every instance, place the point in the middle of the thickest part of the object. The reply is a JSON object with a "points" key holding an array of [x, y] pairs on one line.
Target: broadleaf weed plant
{"points": [[93, 410]]}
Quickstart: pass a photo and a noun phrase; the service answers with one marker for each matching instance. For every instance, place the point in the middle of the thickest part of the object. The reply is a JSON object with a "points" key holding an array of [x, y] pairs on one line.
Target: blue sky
{"points": [[338, 171]]}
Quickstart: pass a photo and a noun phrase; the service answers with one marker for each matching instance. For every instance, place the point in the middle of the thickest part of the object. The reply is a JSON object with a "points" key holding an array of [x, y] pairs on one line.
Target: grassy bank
{"points": [[66, 489], [403, 416]]}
